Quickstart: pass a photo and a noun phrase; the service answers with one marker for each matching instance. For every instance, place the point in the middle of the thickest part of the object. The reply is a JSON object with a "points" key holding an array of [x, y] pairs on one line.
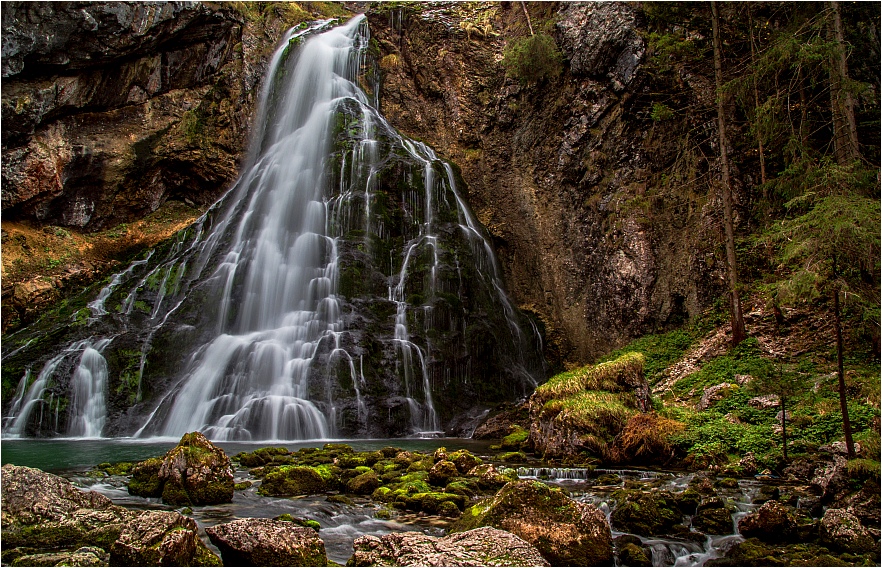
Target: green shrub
{"points": [[532, 59]]}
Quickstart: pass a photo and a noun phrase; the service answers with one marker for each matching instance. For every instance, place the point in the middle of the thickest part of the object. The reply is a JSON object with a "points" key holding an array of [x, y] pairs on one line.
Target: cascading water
{"points": [[340, 287]]}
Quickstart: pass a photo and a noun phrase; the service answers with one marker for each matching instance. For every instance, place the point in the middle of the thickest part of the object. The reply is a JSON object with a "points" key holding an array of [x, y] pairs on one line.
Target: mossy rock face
{"points": [[292, 480], [566, 532], [647, 514], [714, 517], [364, 484]]}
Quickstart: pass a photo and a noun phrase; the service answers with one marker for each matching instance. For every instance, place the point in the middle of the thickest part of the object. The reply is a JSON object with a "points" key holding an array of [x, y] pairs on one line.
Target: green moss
{"points": [[292, 480], [516, 440]]}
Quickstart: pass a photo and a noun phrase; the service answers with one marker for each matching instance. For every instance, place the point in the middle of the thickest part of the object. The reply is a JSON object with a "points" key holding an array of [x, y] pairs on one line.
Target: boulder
{"points": [[865, 504], [293, 480], [714, 394], [842, 531], [161, 538], [748, 464], [364, 484], [631, 552], [85, 556], [714, 517], [839, 448], [566, 532], [490, 478], [830, 478], [442, 472], [484, 546], [464, 460], [266, 542], [772, 522], [44, 511], [765, 401], [195, 472], [646, 514]]}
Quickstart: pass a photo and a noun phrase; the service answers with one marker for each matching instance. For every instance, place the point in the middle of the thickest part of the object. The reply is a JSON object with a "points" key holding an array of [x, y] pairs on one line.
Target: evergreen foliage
{"points": [[533, 58]]}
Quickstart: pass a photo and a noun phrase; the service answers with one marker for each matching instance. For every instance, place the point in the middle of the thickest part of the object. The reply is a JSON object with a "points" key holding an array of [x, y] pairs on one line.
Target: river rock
{"points": [[41, 510], [631, 552], [442, 472], [161, 538], [364, 484], [772, 522], [266, 542], [484, 546], [292, 480], [646, 514], [566, 532], [85, 556], [195, 472], [842, 531], [713, 517], [490, 478]]}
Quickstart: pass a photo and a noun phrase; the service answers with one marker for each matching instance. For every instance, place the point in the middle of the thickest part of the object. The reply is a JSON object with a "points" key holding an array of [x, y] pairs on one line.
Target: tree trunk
{"points": [[784, 426], [843, 403], [845, 141], [529, 23], [738, 333], [756, 104]]}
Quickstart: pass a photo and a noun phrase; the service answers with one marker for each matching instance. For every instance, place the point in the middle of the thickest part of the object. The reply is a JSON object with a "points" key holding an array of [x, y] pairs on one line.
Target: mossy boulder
{"points": [[442, 472], [267, 542], [516, 440], [631, 552], [364, 484], [42, 511], [842, 531], [264, 456], [566, 532], [161, 538], [512, 457], [195, 472], [293, 480], [753, 552], [714, 516], [646, 513], [772, 523], [85, 556], [464, 460], [489, 478], [432, 502]]}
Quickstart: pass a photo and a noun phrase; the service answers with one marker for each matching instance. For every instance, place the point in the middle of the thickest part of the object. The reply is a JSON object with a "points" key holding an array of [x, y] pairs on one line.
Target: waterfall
{"points": [[341, 287]]}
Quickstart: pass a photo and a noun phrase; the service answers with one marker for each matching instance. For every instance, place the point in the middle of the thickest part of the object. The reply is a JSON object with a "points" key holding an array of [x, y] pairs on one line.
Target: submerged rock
{"points": [[566, 532], [266, 542], [195, 472], [484, 546]]}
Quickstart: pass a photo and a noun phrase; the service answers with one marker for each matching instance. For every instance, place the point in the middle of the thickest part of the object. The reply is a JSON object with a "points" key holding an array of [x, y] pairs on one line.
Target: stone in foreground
{"points": [[195, 472], [266, 542], [566, 532], [483, 546]]}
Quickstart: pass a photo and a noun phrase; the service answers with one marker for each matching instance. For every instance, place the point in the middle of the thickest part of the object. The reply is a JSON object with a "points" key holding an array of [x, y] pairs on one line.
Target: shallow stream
{"points": [[341, 523]]}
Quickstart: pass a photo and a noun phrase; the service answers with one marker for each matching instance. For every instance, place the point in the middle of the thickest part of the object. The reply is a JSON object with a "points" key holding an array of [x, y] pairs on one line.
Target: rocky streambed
{"points": [[333, 504]]}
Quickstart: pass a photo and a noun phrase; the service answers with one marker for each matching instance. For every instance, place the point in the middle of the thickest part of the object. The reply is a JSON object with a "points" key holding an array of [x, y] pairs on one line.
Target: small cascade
{"points": [[88, 404], [556, 473], [20, 416]]}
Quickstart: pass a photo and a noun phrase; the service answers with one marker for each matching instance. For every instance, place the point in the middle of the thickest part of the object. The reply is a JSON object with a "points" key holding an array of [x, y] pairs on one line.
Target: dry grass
{"points": [[645, 440], [613, 376]]}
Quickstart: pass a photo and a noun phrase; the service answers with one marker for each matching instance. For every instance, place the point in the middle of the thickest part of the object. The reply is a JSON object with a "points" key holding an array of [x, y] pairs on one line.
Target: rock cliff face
{"points": [[566, 173], [102, 117], [127, 106]]}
